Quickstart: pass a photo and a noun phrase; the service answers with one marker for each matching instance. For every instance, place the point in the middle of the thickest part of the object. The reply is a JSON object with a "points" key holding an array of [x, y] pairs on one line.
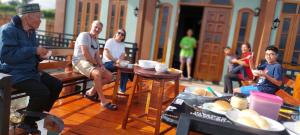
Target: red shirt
{"points": [[247, 69]]}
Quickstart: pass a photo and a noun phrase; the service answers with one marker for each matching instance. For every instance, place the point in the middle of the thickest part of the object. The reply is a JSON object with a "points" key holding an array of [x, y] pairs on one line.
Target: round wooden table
{"points": [[117, 81], [150, 74]]}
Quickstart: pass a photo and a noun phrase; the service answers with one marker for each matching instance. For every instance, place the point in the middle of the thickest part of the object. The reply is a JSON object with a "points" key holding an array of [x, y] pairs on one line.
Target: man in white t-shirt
{"points": [[86, 60], [114, 50]]}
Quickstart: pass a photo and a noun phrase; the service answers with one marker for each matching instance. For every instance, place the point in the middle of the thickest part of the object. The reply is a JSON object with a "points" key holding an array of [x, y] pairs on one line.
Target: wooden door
{"points": [[213, 38]]}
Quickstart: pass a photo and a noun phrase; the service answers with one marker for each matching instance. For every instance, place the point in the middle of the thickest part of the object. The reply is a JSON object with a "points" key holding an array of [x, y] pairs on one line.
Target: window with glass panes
{"points": [[242, 29], [288, 36], [116, 16], [86, 12]]}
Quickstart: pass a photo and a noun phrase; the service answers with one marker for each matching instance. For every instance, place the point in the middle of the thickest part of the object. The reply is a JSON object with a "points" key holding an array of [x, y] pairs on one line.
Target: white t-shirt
{"points": [[116, 49], [92, 44]]}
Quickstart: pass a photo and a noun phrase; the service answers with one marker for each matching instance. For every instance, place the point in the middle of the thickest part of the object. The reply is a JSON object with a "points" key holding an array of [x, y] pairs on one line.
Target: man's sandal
{"points": [[110, 106], [93, 98]]}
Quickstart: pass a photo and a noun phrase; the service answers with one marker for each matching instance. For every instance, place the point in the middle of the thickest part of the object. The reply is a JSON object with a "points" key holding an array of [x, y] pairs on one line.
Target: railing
{"points": [[291, 69], [62, 40]]}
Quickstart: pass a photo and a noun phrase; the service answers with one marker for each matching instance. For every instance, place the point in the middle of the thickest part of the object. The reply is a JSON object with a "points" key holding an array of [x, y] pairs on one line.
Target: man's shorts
{"points": [[186, 59], [246, 89], [84, 67]]}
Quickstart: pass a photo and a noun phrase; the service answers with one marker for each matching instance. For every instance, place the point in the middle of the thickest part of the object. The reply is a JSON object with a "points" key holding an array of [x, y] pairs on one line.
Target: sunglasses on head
{"points": [[120, 33], [94, 47]]}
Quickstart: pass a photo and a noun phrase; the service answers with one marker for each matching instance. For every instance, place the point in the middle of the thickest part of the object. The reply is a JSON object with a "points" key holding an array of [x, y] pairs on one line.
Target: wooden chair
{"points": [[288, 98]]}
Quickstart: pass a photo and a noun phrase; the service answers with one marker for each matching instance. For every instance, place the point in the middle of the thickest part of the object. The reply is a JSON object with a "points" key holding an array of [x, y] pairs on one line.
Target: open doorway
{"points": [[189, 17]]}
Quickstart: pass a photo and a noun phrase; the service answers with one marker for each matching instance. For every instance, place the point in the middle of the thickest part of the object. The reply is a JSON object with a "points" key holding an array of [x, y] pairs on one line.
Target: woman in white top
{"points": [[114, 50]]}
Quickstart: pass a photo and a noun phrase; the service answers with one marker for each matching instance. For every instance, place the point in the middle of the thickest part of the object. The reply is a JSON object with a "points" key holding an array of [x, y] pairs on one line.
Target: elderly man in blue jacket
{"points": [[20, 55]]}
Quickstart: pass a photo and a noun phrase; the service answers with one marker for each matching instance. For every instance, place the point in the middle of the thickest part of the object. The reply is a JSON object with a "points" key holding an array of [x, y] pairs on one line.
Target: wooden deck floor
{"points": [[83, 117]]}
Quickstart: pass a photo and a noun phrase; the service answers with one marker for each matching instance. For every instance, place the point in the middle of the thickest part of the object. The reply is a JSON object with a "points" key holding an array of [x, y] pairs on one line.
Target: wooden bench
{"points": [[66, 74], [62, 70], [284, 94], [61, 59]]}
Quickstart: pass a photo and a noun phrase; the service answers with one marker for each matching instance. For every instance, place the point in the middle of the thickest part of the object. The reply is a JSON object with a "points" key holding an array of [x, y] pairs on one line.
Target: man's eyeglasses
{"points": [[120, 33], [270, 54]]}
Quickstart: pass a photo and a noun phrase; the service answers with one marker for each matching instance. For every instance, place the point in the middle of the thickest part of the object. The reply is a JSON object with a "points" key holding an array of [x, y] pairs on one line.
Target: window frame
{"points": [[118, 4], [83, 15], [288, 51], [238, 26], [158, 34]]}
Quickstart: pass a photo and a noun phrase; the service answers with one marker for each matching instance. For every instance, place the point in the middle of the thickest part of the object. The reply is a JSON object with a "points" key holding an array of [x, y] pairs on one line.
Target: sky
{"points": [[45, 4]]}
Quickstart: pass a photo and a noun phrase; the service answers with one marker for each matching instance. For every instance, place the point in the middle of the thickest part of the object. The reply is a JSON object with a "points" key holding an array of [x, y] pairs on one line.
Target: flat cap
{"points": [[28, 8]]}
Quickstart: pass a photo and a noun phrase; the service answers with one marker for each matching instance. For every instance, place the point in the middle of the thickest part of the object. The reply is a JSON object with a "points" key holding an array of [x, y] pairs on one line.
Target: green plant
{"points": [[49, 13], [8, 9]]}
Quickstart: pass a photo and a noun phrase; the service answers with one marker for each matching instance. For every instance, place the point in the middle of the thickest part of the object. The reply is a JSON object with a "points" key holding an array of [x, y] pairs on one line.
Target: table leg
{"points": [[159, 106], [176, 89], [114, 100], [129, 102], [148, 99]]}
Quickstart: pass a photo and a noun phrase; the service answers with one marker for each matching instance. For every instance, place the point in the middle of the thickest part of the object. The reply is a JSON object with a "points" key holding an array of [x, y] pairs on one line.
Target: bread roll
{"points": [[202, 92], [239, 103], [260, 122], [247, 113], [247, 121], [222, 105], [297, 126]]}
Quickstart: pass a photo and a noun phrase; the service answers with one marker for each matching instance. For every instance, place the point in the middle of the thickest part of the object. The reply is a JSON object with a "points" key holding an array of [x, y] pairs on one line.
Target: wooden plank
{"points": [[53, 65], [296, 93], [287, 98], [81, 116], [62, 52]]}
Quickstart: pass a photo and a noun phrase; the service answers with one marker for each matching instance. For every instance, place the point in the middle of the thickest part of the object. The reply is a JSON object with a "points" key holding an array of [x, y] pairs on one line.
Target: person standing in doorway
{"points": [[187, 45]]}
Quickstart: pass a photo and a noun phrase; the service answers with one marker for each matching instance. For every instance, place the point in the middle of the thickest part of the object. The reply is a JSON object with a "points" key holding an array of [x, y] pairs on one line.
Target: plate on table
{"points": [[210, 107], [291, 126], [274, 125]]}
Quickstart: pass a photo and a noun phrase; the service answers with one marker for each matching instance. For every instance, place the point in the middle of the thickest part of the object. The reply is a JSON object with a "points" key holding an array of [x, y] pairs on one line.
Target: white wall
{"points": [[70, 16]]}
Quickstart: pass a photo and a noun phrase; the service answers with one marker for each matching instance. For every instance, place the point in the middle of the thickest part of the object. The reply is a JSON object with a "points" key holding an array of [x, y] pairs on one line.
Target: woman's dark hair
{"points": [[272, 48], [248, 45], [124, 32], [227, 47]]}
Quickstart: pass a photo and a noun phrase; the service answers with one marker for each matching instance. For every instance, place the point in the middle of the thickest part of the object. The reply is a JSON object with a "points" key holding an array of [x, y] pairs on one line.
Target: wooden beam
{"points": [[148, 26], [268, 11], [140, 23]]}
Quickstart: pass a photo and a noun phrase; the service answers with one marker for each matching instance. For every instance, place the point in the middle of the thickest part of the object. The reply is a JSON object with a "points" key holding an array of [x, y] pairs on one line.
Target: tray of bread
{"points": [[252, 119]]}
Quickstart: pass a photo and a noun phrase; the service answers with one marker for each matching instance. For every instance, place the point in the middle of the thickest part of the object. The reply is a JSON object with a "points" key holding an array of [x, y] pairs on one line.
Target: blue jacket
{"points": [[18, 51]]}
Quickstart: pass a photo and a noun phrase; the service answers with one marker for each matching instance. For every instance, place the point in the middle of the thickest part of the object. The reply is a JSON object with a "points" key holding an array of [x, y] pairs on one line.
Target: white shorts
{"points": [[84, 67], [186, 59]]}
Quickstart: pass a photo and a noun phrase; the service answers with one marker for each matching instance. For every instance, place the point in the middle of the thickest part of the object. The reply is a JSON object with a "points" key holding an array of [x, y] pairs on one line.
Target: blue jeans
{"points": [[240, 69], [124, 76]]}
